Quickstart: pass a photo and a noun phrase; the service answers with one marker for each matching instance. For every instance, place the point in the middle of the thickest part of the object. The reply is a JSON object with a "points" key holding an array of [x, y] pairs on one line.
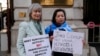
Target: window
{"points": [[54, 2]]}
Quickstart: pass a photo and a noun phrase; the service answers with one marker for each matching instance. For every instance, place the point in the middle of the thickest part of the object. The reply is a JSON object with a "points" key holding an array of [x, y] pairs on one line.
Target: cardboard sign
{"points": [[67, 42], [37, 46]]}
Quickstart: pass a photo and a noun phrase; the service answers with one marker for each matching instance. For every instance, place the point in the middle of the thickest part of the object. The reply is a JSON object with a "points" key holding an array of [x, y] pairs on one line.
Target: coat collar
{"points": [[33, 28]]}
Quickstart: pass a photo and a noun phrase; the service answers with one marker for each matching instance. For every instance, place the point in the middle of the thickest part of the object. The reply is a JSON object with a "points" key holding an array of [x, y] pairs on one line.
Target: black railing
{"points": [[94, 34]]}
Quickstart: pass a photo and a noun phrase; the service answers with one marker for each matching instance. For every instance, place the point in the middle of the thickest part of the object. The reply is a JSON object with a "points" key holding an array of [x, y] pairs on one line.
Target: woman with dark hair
{"points": [[58, 22]]}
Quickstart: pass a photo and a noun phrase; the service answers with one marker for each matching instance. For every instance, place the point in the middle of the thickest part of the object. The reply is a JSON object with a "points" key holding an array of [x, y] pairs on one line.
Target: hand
{"points": [[51, 38]]}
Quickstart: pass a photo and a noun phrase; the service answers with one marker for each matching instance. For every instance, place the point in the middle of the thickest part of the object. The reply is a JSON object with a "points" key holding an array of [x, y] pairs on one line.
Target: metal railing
{"points": [[94, 34]]}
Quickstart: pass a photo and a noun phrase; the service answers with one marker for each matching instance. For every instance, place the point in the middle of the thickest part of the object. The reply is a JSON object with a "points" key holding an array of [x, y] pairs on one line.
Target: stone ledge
{"points": [[73, 24]]}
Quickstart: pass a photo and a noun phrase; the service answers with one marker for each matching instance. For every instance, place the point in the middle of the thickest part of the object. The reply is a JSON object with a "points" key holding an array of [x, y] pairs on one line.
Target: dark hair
{"points": [[55, 13]]}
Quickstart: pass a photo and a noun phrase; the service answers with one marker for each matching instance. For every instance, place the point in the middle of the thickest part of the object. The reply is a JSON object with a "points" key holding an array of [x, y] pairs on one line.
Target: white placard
{"points": [[77, 44], [37, 46], [67, 42], [61, 43], [77, 47]]}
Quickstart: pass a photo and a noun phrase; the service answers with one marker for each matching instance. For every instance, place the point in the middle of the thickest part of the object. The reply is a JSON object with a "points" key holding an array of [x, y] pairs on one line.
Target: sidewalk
{"points": [[15, 53]]}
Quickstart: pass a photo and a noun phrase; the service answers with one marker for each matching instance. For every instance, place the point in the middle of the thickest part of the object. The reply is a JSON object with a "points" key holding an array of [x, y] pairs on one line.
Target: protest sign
{"points": [[61, 43], [77, 44], [37, 46], [67, 42]]}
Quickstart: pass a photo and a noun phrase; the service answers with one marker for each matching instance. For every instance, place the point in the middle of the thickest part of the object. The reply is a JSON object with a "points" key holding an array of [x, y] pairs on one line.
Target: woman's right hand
{"points": [[51, 38]]}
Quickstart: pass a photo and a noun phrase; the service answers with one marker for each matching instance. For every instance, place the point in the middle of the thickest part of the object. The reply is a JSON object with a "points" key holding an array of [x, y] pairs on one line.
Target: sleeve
{"points": [[21, 35], [47, 30], [69, 28]]}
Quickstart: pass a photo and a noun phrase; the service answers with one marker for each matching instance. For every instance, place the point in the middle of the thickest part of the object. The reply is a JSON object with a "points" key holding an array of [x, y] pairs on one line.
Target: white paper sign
{"points": [[77, 44], [68, 42], [77, 47], [37, 46], [61, 43]]}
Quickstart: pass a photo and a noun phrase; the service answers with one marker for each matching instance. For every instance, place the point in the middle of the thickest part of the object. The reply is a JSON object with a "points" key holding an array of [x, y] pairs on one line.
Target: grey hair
{"points": [[34, 6]]}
